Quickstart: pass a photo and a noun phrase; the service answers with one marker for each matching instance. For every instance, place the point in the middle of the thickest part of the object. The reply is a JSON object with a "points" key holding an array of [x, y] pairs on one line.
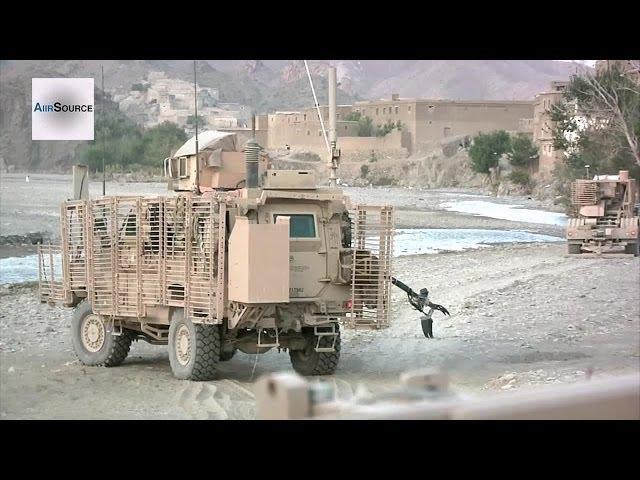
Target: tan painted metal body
{"points": [[283, 257], [604, 218]]}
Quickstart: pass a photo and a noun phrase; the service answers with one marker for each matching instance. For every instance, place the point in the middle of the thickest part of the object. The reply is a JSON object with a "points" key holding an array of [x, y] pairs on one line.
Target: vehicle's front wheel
{"points": [[93, 340], [574, 249], [194, 349], [310, 362], [633, 248], [225, 356]]}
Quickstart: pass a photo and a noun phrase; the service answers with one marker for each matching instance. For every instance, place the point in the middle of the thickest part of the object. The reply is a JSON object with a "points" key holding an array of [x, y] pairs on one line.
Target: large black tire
{"points": [[633, 248], [226, 356], [93, 340], [309, 362], [574, 249], [194, 349]]}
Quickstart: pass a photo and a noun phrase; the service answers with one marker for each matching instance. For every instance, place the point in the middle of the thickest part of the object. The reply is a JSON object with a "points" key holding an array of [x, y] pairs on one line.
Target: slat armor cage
{"points": [[584, 192], [126, 254], [372, 242]]}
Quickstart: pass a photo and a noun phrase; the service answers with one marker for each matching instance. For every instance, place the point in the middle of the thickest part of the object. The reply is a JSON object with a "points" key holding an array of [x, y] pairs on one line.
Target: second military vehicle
{"points": [[604, 217]]}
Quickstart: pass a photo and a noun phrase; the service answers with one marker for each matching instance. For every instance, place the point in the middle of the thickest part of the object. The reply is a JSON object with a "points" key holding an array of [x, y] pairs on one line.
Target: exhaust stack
{"points": [[251, 160], [80, 182]]}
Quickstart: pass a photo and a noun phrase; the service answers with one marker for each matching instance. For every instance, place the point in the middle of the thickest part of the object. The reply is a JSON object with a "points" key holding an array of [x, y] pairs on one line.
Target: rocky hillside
{"points": [[264, 86], [455, 79]]}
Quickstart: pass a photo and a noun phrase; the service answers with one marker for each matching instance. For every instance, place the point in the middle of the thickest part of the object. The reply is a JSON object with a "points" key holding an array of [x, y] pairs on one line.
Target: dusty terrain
{"points": [[522, 315]]}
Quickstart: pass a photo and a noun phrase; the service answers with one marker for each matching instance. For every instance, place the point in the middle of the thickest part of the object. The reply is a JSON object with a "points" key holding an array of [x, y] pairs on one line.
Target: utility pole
{"points": [[104, 143]]}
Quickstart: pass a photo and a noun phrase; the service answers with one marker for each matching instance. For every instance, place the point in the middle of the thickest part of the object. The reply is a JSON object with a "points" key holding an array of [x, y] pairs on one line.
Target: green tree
{"points": [[191, 121], [354, 116], [597, 123], [365, 127], [523, 150], [160, 142], [387, 128], [140, 87], [117, 138], [521, 177], [124, 145], [365, 124], [487, 148]]}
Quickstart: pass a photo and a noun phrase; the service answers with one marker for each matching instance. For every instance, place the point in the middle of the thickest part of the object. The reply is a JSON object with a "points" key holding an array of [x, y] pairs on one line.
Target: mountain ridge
{"points": [[268, 85]]}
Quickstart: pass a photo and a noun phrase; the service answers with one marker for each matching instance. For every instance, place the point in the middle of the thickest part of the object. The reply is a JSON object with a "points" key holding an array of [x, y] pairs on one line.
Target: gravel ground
{"points": [[522, 315], [35, 206]]}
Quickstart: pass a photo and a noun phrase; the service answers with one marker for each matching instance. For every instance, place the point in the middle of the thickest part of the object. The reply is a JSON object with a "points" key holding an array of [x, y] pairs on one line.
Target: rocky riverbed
{"points": [[522, 315]]}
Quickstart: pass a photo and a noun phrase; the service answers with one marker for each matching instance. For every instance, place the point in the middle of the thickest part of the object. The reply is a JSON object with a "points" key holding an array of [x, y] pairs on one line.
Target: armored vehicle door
{"points": [[372, 245]]}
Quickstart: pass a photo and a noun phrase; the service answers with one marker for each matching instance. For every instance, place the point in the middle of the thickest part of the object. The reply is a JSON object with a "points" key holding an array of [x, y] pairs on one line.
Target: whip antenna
{"points": [[315, 99]]}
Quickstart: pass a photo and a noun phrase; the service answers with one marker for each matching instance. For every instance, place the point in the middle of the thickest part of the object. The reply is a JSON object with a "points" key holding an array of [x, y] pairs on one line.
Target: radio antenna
{"points": [[195, 96], [315, 99], [104, 142]]}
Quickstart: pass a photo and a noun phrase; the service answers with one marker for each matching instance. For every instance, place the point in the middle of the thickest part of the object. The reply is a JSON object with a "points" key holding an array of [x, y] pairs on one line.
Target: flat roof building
{"points": [[425, 121]]}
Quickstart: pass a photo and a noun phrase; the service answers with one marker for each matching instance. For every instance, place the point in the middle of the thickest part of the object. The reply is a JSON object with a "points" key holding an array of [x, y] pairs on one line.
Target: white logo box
{"points": [[74, 100]]}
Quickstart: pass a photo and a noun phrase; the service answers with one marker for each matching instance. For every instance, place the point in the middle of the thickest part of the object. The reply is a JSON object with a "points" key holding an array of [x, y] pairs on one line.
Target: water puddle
{"points": [[418, 241], [514, 213], [23, 269], [407, 241]]}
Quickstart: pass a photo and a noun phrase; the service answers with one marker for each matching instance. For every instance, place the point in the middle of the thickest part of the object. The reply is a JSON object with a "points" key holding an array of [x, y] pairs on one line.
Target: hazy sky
{"points": [[590, 63]]}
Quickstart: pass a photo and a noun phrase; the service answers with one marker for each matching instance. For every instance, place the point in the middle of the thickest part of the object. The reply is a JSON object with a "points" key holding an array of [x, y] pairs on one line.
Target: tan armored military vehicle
{"points": [[239, 256], [604, 218]]}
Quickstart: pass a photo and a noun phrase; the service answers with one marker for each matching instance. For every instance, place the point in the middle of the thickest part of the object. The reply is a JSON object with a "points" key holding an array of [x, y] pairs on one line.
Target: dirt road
{"points": [[521, 316]]}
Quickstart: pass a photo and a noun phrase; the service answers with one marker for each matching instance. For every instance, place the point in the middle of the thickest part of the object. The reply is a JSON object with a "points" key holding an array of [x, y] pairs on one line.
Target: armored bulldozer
{"points": [[237, 256], [604, 216]]}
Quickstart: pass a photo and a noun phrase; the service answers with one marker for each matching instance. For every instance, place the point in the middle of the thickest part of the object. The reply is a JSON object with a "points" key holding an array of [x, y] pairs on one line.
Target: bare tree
{"points": [[612, 100]]}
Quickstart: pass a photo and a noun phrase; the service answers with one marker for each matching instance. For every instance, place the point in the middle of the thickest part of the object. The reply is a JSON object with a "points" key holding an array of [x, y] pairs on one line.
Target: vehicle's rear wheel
{"points": [[310, 362], [194, 349], [93, 340], [574, 248], [228, 355]]}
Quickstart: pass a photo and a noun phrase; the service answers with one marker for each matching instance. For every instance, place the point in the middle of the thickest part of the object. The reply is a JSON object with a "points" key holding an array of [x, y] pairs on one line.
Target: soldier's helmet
{"points": [[424, 292]]}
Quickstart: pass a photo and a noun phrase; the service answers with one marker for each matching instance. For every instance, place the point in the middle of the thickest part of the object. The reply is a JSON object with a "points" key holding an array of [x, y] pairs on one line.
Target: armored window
{"points": [[182, 173], [396, 110], [300, 225], [384, 110], [409, 108]]}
